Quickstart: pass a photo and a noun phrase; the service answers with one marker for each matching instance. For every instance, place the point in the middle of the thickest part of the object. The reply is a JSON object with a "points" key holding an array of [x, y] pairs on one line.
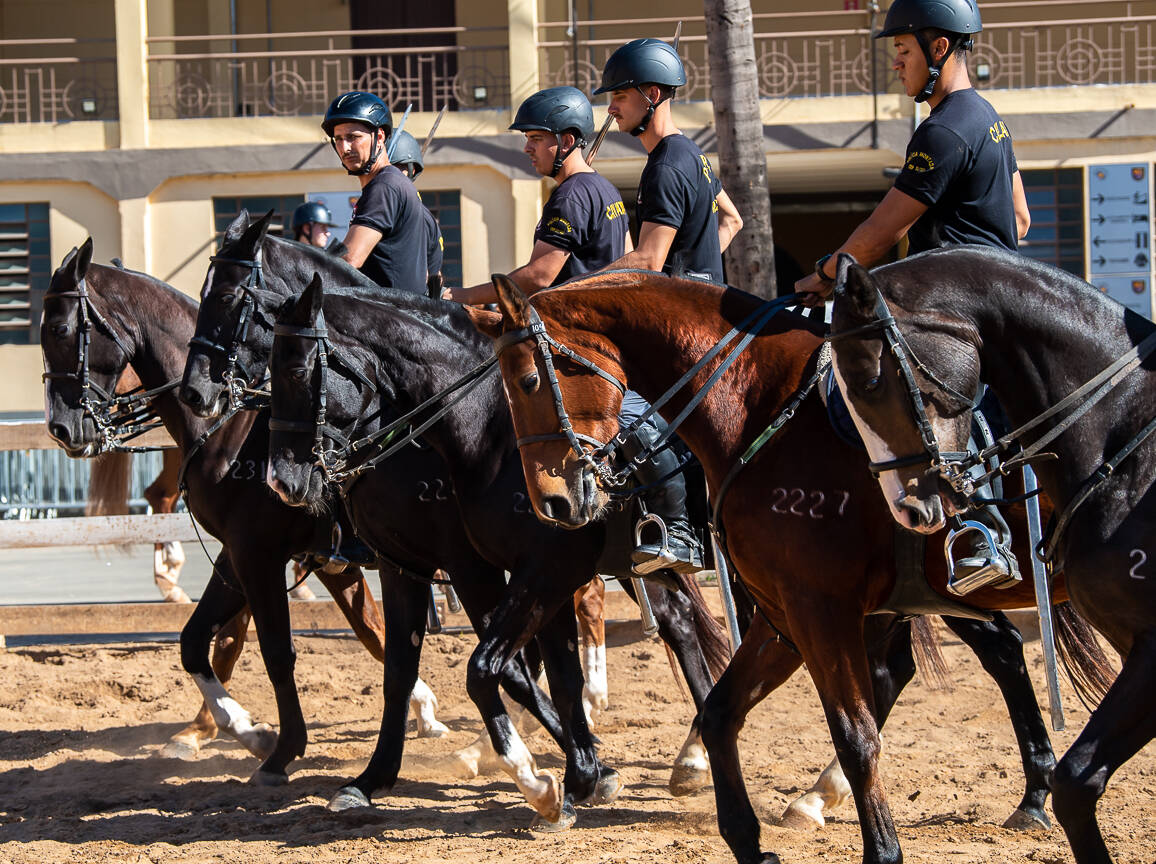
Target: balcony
{"points": [[57, 80]]}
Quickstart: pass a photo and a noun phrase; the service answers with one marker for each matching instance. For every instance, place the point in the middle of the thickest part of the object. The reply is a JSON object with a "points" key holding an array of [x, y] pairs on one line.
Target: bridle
{"points": [[237, 385], [117, 418]]}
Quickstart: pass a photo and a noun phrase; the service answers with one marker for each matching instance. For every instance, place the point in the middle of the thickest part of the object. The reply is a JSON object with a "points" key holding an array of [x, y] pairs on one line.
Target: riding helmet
{"points": [[311, 211], [404, 150], [358, 107], [951, 16], [557, 110], [643, 61]]}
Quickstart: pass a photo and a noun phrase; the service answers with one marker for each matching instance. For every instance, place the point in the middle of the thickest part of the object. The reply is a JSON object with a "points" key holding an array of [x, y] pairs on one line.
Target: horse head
{"points": [[84, 355], [558, 404], [914, 417]]}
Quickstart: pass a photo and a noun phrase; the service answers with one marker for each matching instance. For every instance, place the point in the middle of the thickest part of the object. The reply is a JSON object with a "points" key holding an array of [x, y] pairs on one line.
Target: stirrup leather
{"points": [[665, 557], [999, 571]]}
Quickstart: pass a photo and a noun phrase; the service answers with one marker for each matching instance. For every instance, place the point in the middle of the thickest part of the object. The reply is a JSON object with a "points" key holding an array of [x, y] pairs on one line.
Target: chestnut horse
{"points": [[817, 563], [1035, 334]]}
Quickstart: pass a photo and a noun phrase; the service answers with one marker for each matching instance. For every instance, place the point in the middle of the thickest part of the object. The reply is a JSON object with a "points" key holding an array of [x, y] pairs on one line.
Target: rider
{"points": [[387, 223], [311, 223], [686, 221], [407, 157], [959, 184]]}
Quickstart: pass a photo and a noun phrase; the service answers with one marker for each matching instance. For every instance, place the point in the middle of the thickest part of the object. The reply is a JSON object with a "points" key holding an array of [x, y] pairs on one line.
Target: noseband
{"points": [[117, 418]]}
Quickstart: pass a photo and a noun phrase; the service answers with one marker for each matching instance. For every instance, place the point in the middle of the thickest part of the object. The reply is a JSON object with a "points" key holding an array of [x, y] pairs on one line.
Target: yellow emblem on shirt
{"points": [[919, 162], [558, 225]]}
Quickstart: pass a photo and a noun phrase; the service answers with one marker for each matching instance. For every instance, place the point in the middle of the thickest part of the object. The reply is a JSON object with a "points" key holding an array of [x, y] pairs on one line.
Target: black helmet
{"points": [[643, 61], [959, 19], [357, 107], [404, 150], [557, 110], [311, 211], [951, 16]]}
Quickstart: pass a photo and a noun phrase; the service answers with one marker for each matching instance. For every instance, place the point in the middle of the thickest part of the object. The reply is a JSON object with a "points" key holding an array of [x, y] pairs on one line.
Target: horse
{"points": [[1035, 334], [779, 513], [251, 279], [97, 320]]}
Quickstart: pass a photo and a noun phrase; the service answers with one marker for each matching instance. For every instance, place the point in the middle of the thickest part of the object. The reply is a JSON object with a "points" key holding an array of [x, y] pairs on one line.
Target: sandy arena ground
{"points": [[82, 781]]}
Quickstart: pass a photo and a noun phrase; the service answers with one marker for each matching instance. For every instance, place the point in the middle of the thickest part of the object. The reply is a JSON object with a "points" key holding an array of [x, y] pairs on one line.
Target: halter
{"points": [[236, 386], [117, 418]]}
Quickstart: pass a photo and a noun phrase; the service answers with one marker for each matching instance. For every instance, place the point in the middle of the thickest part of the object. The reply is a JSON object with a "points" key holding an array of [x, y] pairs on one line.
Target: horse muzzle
{"points": [[78, 443], [925, 515], [576, 506]]}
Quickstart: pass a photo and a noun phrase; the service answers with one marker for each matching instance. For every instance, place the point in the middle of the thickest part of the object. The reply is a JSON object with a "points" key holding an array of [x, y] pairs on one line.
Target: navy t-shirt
{"points": [[960, 164], [585, 216], [434, 245], [678, 189], [389, 204]]}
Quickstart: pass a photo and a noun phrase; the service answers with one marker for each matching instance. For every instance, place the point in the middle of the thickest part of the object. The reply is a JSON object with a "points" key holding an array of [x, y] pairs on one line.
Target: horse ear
{"points": [[82, 260], [236, 228], [511, 300], [485, 322], [254, 235], [308, 306], [855, 284]]}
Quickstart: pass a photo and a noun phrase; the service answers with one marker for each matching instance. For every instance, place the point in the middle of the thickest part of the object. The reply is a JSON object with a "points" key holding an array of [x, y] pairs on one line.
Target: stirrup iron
{"points": [[337, 562], [665, 557], [995, 573]]}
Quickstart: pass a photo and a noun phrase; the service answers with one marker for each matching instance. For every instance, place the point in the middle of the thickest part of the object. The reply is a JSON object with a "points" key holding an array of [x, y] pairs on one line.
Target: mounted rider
{"points": [[387, 225], [311, 223], [406, 155], [959, 184], [686, 221]]}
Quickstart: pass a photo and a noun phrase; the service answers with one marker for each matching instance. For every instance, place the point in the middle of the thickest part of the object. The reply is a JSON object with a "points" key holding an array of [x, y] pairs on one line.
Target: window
{"points": [[24, 270], [1056, 201], [447, 207], [225, 210]]}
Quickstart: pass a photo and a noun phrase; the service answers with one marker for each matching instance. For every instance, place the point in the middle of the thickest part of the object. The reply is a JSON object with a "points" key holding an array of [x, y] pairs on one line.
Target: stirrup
{"points": [[337, 562], [665, 557], [999, 570]]}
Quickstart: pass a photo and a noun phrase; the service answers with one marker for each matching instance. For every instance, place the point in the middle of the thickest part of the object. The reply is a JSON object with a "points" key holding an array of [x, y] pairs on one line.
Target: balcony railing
{"points": [[57, 80], [1044, 43], [196, 78]]}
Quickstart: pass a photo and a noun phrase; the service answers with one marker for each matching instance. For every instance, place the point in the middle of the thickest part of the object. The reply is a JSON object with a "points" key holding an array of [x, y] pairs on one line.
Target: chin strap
{"points": [[935, 69], [561, 156], [642, 127]]}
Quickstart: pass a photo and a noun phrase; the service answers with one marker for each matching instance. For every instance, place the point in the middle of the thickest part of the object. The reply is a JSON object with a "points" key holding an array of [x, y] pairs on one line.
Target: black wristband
{"points": [[819, 268]]}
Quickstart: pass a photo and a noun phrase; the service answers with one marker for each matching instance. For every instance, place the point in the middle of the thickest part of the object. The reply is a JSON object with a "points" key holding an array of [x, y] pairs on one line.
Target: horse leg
{"points": [[405, 624], [589, 607], [220, 604], [999, 647], [227, 647], [759, 666], [1123, 723], [168, 558]]}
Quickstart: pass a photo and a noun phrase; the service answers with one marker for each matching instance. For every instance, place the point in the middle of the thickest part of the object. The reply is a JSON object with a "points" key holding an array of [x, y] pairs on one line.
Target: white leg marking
{"points": [[425, 704], [831, 790], [595, 692], [234, 720], [691, 767], [542, 790]]}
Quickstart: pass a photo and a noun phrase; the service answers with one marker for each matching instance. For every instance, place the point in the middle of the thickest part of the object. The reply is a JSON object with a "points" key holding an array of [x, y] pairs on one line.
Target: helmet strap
{"points": [[561, 155], [934, 69], [645, 124]]}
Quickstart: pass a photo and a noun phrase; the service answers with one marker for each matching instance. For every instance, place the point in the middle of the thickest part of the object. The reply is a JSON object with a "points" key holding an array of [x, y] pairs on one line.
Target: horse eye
{"points": [[225, 299], [298, 374], [60, 330], [872, 384], [530, 382]]}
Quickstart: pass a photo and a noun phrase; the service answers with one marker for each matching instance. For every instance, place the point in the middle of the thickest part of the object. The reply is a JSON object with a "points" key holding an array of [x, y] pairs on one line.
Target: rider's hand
{"points": [[448, 294], [814, 290]]}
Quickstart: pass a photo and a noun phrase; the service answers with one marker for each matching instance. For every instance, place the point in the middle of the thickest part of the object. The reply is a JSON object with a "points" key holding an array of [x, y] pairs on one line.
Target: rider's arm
{"points": [[546, 262], [729, 220], [359, 242], [1020, 201], [654, 242]]}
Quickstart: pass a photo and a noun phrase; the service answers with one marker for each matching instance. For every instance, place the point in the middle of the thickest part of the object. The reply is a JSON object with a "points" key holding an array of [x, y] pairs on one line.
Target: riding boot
{"points": [[664, 537]]}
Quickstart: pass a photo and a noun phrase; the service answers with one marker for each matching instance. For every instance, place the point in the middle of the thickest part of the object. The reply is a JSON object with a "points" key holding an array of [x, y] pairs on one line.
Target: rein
{"points": [[118, 419]]}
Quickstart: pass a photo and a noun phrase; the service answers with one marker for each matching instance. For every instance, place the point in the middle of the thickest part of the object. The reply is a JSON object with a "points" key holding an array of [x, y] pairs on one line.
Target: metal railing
{"points": [[58, 80], [304, 77]]}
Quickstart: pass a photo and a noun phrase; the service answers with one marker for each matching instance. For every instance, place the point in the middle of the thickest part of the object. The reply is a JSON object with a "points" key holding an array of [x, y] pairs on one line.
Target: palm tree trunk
{"points": [[734, 81]]}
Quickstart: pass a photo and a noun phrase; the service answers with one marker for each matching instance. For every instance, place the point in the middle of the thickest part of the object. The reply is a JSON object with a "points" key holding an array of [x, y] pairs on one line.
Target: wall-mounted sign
{"points": [[1120, 233]]}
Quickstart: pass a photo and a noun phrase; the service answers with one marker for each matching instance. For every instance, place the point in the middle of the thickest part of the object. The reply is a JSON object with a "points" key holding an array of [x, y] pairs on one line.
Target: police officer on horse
{"points": [[405, 153], [959, 184], [311, 223]]}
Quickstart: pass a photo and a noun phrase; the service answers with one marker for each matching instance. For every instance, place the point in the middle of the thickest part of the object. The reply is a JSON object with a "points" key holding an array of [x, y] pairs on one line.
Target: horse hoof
{"points": [[686, 780], [261, 740], [261, 777], [566, 820], [608, 788], [804, 814], [1023, 820], [180, 750], [347, 798], [436, 729]]}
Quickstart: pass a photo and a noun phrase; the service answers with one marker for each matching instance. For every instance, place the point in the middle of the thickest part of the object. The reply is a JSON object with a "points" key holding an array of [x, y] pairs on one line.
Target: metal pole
{"points": [[873, 8], [1043, 603], [728, 597]]}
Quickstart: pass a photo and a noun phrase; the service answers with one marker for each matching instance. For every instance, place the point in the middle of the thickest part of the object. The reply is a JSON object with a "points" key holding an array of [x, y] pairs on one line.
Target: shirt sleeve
{"points": [[935, 157], [377, 208], [666, 198], [563, 224]]}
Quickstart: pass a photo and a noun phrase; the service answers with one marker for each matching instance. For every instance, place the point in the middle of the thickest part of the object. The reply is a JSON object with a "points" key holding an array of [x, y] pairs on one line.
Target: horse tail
{"points": [[925, 648], [712, 638], [108, 484], [1088, 667]]}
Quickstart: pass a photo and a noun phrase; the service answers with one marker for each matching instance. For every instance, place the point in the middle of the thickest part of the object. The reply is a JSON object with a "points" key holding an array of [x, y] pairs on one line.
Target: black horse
{"points": [[1035, 335], [250, 280], [99, 319]]}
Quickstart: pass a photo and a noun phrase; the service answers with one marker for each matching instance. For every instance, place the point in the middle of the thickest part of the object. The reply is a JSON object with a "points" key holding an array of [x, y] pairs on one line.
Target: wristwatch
{"points": [[819, 268]]}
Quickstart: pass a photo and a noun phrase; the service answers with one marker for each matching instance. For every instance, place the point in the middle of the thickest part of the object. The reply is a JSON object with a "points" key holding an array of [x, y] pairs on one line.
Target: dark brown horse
{"points": [[809, 536], [1035, 334]]}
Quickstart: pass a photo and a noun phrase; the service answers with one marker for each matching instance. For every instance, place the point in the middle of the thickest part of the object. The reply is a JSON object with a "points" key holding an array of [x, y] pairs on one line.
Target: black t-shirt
{"points": [[960, 164], [678, 189], [389, 204], [435, 246], [585, 216]]}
